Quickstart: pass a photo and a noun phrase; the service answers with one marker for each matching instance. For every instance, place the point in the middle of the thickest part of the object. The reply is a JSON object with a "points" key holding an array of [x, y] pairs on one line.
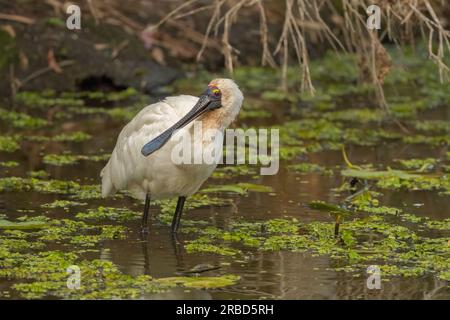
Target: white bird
{"points": [[141, 161]]}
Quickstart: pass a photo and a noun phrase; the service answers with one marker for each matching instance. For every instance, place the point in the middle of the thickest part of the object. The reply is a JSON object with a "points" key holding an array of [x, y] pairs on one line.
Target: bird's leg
{"points": [[177, 215], [145, 215], [144, 238]]}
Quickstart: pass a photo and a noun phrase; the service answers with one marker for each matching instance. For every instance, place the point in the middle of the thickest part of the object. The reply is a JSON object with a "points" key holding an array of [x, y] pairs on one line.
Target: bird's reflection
{"points": [[176, 245]]}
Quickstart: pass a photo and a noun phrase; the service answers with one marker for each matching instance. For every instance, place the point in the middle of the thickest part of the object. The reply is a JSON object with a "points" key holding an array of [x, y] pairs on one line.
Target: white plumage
{"points": [[157, 175]]}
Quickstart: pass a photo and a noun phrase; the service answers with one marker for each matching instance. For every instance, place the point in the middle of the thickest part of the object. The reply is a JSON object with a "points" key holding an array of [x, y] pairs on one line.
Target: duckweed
{"points": [[106, 213], [44, 100], [420, 165], [432, 125], [397, 179], [46, 276], [239, 188], [9, 164], [76, 136], [202, 282], [196, 201], [310, 167], [21, 120], [69, 159], [8, 143], [62, 204], [5, 224], [71, 188], [233, 171], [403, 244]]}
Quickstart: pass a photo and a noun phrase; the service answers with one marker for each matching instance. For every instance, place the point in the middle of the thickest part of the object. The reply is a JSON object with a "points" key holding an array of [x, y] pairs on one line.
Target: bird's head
{"points": [[226, 100], [217, 107]]}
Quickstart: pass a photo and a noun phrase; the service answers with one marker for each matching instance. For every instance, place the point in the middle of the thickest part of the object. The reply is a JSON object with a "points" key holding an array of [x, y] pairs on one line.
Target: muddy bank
{"points": [[99, 56]]}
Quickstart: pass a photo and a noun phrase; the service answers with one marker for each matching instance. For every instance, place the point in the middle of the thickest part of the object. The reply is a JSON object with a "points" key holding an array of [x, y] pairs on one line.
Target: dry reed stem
{"points": [[342, 25]]}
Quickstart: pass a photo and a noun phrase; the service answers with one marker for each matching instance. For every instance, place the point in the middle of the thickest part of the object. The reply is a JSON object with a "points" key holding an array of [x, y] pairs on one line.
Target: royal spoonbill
{"points": [[142, 161]]}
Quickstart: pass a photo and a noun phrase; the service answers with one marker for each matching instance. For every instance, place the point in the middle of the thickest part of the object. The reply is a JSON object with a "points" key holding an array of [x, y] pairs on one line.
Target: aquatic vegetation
{"points": [[202, 245], [432, 125], [278, 95], [408, 109], [119, 113], [102, 96], [256, 78], [310, 167], [334, 210], [330, 208], [438, 225], [71, 188], [202, 282], [102, 213], [403, 244], [60, 159], [107, 232], [374, 175], [356, 115], [22, 225], [39, 174], [254, 113], [44, 273], [420, 165], [227, 172], [8, 143], [239, 188], [434, 140], [45, 99], [63, 204], [86, 192], [398, 249], [69, 159], [397, 179], [196, 201], [79, 233], [21, 120], [76, 136], [46, 276], [8, 164]]}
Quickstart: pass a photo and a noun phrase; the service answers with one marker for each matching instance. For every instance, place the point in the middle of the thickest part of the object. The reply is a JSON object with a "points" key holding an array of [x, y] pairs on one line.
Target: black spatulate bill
{"points": [[209, 100]]}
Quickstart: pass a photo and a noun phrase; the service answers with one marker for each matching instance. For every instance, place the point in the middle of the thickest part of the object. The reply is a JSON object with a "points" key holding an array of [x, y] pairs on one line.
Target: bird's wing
{"points": [[126, 161]]}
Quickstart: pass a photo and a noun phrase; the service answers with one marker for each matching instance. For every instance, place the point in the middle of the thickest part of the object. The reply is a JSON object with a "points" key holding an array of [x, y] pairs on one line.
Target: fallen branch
{"points": [[16, 18], [40, 72]]}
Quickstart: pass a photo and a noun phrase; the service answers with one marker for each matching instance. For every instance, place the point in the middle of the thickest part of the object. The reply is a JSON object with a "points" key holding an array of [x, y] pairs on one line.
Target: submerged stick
{"points": [[336, 229], [337, 225]]}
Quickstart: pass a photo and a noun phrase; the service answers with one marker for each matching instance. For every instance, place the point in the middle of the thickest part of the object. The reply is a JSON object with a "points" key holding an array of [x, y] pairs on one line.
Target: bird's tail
{"points": [[107, 185]]}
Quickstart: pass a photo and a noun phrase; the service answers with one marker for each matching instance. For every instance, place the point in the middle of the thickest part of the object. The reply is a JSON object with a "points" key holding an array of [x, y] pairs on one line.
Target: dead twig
{"points": [[40, 72], [16, 18]]}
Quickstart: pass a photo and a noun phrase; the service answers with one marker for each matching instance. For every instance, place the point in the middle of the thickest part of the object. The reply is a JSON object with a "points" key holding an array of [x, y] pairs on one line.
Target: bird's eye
{"points": [[216, 92]]}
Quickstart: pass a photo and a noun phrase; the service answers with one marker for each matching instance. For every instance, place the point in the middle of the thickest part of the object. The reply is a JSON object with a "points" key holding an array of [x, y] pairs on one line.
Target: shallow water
{"points": [[280, 275]]}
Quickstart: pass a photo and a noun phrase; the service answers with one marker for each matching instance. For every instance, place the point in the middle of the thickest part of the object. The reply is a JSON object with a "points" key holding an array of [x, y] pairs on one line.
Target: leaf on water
{"points": [[199, 268], [375, 175], [239, 188], [9, 225], [255, 187], [201, 282], [329, 208]]}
